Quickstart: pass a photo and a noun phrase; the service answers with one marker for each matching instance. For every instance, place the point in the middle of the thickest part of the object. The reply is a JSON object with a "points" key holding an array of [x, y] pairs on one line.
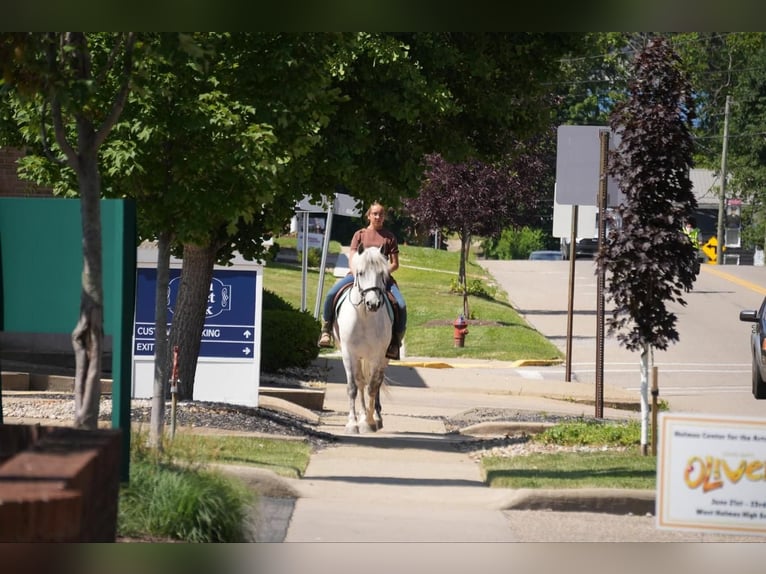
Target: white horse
{"points": [[363, 332]]}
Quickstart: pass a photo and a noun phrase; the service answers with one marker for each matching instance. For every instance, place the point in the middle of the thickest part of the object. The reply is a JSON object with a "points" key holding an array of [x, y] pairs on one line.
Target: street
{"points": [[707, 370]]}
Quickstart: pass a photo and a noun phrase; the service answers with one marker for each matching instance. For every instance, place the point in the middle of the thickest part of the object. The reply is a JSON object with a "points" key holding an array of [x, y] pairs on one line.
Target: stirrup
{"points": [[325, 340]]}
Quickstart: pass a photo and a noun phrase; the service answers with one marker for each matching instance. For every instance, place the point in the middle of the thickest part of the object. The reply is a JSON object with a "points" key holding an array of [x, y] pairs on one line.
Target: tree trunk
{"points": [[88, 334], [189, 312], [647, 360], [161, 354]]}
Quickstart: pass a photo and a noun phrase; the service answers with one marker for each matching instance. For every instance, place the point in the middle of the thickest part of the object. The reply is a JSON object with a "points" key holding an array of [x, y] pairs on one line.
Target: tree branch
{"points": [[122, 95], [47, 151]]}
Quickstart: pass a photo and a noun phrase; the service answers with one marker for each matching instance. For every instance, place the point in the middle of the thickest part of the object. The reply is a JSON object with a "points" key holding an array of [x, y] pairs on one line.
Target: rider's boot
{"points": [[393, 348], [325, 338]]}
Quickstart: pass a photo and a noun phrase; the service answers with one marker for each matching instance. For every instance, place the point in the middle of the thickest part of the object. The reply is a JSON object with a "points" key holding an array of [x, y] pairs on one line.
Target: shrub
{"points": [[514, 244], [274, 302], [475, 287], [288, 339]]}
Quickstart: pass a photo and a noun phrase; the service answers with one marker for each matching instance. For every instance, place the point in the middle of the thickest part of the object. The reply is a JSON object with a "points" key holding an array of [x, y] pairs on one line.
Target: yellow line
{"points": [[747, 284], [488, 364]]}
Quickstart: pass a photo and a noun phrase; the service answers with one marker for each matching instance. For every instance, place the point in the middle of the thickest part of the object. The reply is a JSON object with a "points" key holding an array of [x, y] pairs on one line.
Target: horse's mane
{"points": [[371, 259]]}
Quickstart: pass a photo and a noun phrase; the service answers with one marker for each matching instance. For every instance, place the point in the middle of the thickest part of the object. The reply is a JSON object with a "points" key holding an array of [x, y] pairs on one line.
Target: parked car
{"points": [[758, 347], [546, 255], [585, 247]]}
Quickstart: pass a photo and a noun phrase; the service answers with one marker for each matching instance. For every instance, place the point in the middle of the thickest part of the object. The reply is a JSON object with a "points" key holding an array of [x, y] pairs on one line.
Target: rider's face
{"points": [[377, 217]]}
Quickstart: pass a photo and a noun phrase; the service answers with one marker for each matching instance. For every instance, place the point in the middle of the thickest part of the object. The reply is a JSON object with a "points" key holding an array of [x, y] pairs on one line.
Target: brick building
{"points": [[10, 184]]}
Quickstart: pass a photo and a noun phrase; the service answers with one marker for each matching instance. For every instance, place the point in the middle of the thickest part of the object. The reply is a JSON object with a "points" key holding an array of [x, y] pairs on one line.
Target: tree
{"points": [[233, 136], [646, 246], [81, 85], [475, 198], [747, 150]]}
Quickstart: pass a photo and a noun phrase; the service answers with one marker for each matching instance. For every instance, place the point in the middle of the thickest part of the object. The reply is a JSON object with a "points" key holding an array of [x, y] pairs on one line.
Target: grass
{"points": [[285, 457], [602, 469], [615, 463], [425, 276], [176, 495]]}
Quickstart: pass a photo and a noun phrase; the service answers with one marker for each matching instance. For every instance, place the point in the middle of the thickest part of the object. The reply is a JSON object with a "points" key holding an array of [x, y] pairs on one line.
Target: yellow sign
{"points": [[711, 249]]}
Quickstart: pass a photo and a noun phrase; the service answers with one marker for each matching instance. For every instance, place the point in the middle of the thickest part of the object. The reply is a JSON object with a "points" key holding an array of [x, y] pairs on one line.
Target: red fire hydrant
{"points": [[460, 331]]}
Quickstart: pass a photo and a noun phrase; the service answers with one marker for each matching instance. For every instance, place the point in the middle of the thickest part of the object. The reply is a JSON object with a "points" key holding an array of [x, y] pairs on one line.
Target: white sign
{"points": [[578, 166], [342, 204], [711, 473], [587, 220]]}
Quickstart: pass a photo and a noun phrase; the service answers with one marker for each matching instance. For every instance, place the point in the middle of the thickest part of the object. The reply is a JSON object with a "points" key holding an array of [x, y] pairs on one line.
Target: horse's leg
{"points": [[372, 413], [378, 409], [364, 420], [351, 390]]}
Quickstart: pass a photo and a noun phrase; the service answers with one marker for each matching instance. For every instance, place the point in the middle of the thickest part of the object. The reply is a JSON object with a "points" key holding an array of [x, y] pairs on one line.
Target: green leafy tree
{"points": [[746, 159], [79, 85], [646, 245]]}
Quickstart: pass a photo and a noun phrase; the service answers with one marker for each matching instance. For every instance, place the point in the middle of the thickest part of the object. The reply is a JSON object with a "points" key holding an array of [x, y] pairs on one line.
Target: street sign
{"points": [[578, 166], [342, 204], [229, 317]]}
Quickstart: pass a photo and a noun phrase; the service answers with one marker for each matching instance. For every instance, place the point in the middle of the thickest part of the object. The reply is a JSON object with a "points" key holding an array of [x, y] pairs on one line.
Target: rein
{"points": [[363, 292]]}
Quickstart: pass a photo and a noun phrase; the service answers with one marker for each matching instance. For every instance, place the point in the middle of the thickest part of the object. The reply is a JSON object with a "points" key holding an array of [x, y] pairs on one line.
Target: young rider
{"points": [[374, 235]]}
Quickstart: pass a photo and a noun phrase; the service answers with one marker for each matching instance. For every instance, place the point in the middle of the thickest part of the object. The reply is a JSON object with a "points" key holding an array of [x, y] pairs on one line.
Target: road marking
{"points": [[592, 369], [528, 374], [734, 279]]}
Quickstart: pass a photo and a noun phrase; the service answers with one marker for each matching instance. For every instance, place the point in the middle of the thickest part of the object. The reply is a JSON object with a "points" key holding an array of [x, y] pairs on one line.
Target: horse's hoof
{"points": [[365, 428], [352, 429]]}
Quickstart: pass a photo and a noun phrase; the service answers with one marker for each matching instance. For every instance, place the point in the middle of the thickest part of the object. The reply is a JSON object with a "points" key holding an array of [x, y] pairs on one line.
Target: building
{"points": [[706, 185]]}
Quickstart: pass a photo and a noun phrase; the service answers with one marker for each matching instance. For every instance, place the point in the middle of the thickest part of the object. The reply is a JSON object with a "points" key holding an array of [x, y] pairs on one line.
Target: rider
{"points": [[374, 235]]}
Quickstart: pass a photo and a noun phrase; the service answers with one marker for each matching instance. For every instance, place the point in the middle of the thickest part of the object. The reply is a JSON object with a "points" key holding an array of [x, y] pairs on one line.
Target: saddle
{"points": [[391, 306]]}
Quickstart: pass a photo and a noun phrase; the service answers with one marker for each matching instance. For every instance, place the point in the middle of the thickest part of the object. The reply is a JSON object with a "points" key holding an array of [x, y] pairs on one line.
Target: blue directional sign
{"points": [[229, 330]]}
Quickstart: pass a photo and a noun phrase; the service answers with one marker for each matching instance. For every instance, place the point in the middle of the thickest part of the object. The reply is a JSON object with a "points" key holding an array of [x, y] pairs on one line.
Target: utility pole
{"points": [[722, 198]]}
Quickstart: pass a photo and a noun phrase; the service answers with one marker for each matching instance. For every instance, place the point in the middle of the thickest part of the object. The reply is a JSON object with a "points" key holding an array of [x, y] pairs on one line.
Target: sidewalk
{"points": [[409, 483]]}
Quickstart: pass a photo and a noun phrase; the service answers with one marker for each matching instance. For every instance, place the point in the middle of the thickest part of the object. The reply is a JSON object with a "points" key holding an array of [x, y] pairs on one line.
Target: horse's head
{"points": [[371, 268]]}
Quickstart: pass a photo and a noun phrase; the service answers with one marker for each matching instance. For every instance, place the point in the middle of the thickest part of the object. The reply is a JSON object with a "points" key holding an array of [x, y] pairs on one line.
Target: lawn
{"points": [[427, 278]]}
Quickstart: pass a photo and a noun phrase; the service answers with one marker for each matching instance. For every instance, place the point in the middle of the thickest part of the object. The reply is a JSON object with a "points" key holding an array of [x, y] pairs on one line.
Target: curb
{"points": [[601, 500]]}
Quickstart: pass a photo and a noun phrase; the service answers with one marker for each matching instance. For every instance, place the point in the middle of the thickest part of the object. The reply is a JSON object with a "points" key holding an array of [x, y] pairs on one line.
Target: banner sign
{"points": [[711, 473]]}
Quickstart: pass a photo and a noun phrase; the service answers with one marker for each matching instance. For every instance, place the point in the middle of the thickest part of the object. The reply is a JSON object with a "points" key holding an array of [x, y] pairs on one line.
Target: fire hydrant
{"points": [[460, 331]]}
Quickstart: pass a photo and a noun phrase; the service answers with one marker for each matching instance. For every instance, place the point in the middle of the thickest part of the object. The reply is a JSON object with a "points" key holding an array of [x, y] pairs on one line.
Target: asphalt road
{"points": [[707, 370]]}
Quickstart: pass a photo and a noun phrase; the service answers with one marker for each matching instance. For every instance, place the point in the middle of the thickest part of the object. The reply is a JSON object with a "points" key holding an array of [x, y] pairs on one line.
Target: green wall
{"points": [[40, 275]]}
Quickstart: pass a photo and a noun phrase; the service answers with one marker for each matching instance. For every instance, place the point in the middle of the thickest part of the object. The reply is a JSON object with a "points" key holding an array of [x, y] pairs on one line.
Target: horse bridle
{"points": [[363, 292]]}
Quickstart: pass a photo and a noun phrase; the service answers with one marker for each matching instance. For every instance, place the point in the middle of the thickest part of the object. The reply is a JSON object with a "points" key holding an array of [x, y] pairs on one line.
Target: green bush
{"points": [[475, 287], [514, 244], [288, 339], [273, 302], [315, 257]]}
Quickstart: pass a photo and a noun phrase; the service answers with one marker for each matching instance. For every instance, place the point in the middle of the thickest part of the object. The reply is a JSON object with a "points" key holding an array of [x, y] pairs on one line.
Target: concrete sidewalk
{"points": [[410, 483]]}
